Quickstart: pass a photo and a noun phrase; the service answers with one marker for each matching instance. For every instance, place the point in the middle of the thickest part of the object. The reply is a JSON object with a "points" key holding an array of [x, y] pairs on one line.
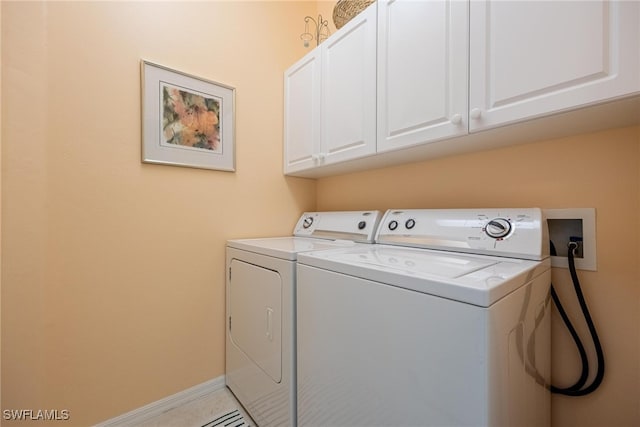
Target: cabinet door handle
{"points": [[322, 156], [456, 119], [475, 113]]}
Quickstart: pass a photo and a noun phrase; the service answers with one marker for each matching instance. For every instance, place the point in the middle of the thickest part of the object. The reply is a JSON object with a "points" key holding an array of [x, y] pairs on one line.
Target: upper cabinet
{"points": [[444, 75], [330, 98], [422, 71], [302, 113], [533, 58]]}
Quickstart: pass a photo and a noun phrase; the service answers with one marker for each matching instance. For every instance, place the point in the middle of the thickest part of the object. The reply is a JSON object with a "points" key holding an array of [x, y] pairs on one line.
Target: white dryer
{"points": [[445, 323], [260, 304]]}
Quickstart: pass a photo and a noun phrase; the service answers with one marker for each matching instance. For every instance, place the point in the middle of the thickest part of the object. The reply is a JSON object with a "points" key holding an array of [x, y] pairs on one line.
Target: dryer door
{"points": [[256, 315]]}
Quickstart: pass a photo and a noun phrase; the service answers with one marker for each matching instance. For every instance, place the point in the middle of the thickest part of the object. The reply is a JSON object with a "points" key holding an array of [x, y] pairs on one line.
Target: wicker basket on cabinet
{"points": [[344, 10]]}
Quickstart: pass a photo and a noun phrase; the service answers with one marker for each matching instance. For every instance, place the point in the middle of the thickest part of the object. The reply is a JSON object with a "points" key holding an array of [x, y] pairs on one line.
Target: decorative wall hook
{"points": [[321, 30]]}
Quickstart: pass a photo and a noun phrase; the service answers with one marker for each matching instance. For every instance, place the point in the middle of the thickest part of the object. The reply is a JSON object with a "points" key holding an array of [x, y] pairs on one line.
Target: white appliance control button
{"points": [[410, 223], [362, 225], [307, 222], [498, 228], [393, 225]]}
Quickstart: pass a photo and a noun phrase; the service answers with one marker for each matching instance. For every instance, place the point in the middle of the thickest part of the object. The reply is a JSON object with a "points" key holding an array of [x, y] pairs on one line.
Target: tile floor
{"points": [[200, 411]]}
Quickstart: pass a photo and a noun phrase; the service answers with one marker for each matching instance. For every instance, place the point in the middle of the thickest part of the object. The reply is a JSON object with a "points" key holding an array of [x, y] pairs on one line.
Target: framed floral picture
{"points": [[186, 120]]}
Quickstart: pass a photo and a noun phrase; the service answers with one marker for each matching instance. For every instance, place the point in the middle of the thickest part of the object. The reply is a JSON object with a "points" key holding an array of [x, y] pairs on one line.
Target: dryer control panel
{"points": [[510, 232], [358, 226]]}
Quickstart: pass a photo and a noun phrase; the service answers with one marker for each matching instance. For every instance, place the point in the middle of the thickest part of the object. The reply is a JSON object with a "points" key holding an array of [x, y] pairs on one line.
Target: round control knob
{"points": [[306, 223], [393, 225], [498, 228], [410, 223], [362, 225]]}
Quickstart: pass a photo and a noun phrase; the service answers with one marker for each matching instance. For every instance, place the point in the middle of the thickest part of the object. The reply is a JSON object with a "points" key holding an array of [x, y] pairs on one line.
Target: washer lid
{"points": [[287, 247], [474, 279]]}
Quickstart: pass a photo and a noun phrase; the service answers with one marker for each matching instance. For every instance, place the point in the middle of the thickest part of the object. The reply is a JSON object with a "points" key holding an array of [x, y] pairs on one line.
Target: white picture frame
{"points": [[186, 120]]}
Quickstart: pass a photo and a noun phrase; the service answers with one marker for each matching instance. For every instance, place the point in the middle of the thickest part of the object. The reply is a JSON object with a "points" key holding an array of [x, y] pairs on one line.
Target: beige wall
{"points": [[325, 8], [113, 270], [0, 204], [597, 170]]}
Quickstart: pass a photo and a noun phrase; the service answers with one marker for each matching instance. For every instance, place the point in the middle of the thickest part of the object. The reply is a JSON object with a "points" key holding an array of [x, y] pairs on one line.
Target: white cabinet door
{"points": [[349, 90], [533, 58], [302, 113], [422, 71]]}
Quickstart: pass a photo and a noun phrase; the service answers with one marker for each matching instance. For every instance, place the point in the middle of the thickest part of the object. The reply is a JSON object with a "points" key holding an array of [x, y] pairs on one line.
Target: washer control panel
{"points": [[517, 233], [358, 226]]}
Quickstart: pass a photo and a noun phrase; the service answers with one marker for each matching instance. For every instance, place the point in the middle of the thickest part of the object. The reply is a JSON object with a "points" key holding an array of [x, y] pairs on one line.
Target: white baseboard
{"points": [[153, 409]]}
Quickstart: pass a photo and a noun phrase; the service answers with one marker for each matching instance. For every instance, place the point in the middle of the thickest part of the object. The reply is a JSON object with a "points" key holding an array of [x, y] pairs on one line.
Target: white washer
{"points": [[453, 331], [260, 287]]}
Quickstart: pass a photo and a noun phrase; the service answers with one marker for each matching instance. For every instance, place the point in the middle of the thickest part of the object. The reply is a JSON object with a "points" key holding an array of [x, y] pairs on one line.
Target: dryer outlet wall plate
{"points": [[573, 225]]}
